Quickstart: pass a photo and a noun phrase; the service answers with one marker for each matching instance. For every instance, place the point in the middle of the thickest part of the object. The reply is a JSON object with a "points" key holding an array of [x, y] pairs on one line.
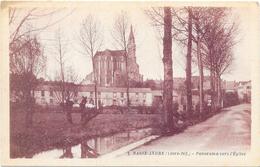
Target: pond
{"points": [[100, 146]]}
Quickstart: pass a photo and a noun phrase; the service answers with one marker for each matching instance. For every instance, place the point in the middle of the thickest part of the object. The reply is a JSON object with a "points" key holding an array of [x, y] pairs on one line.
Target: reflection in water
{"points": [[92, 148], [87, 151], [67, 153]]}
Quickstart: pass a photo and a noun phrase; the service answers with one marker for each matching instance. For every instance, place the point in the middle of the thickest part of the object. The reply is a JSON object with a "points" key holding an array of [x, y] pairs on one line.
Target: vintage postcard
{"points": [[130, 83]]}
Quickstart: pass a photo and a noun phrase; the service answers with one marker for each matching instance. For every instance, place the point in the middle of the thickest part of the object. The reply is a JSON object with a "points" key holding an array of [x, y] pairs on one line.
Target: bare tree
{"points": [[199, 16], [182, 33], [219, 41], [21, 19], [188, 62], [91, 40], [119, 33], [60, 50], [67, 89], [27, 60], [168, 73]]}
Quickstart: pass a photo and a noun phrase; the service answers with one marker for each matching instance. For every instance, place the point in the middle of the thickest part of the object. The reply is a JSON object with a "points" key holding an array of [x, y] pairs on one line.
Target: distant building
{"points": [[48, 93], [229, 86], [110, 66], [179, 83], [244, 91]]}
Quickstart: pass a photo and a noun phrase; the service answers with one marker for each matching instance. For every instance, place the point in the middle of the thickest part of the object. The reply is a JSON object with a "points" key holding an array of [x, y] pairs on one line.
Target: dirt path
{"points": [[228, 130]]}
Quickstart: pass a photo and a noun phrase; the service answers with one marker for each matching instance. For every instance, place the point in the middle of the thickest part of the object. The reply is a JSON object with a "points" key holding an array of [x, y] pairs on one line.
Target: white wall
{"points": [[107, 98]]}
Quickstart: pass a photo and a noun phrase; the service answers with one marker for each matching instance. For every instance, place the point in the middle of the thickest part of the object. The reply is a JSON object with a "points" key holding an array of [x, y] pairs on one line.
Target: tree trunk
{"points": [[67, 153], [213, 91], [188, 64], [168, 73], [127, 81], [219, 92], [201, 77], [95, 82], [30, 109], [62, 75]]}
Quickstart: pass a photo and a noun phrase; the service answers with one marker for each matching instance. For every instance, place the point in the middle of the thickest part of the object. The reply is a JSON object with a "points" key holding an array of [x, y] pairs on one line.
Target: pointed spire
{"points": [[131, 35]]}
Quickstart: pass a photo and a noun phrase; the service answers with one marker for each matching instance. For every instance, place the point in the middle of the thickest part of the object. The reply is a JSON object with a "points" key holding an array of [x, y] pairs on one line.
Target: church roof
{"points": [[131, 39], [110, 52]]}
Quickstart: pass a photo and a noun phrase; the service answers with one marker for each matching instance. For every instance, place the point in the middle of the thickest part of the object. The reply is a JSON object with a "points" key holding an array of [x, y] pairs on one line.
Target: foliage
{"points": [[230, 99]]}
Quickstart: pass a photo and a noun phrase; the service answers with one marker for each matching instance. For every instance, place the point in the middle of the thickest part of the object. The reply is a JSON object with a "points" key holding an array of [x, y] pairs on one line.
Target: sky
{"points": [[148, 46]]}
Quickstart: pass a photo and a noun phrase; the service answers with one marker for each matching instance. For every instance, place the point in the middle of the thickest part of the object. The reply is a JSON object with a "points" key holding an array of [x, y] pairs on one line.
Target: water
{"points": [[98, 146]]}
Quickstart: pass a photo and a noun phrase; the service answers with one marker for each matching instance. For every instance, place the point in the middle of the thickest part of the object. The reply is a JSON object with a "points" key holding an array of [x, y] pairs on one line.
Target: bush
{"points": [[230, 99], [133, 109]]}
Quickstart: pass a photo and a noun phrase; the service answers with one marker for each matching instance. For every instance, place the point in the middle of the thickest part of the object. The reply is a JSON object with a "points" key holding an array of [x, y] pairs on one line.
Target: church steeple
{"points": [[131, 44], [133, 68], [131, 38]]}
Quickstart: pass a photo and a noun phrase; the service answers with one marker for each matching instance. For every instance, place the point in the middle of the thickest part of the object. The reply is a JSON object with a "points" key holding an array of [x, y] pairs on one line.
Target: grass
{"points": [[51, 129]]}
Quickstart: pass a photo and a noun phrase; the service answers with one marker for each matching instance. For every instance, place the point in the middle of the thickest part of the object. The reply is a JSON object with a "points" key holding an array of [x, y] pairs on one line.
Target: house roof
{"points": [[88, 88], [51, 85]]}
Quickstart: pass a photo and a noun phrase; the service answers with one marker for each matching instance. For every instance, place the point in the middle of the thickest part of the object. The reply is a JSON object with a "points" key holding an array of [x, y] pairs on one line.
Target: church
{"points": [[110, 66]]}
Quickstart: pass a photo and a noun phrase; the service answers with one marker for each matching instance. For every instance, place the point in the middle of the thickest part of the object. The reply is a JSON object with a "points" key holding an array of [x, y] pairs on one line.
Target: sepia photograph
{"points": [[130, 80]]}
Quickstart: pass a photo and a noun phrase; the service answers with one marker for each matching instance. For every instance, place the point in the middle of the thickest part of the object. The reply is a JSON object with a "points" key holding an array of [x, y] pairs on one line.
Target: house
{"points": [[244, 91], [49, 93]]}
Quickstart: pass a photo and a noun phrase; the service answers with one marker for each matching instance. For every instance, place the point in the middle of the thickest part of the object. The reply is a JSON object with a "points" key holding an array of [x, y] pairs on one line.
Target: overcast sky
{"points": [[148, 51]]}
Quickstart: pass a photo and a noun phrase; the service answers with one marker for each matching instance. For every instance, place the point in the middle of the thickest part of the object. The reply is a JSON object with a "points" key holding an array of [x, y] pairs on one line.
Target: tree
{"points": [[150, 84], [25, 65], [168, 73], [188, 63], [91, 41], [26, 56], [64, 87], [67, 89], [22, 23], [182, 33], [199, 18], [119, 33], [219, 41], [60, 50]]}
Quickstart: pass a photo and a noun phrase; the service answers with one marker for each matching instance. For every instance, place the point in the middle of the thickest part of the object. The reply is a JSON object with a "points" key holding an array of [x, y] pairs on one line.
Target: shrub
{"points": [[230, 99]]}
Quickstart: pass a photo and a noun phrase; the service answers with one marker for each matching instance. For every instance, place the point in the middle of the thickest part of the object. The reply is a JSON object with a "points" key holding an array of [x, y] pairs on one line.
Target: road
{"points": [[228, 130]]}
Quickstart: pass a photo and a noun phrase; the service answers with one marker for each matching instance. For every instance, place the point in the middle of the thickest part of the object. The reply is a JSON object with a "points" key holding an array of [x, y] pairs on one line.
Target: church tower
{"points": [[131, 47], [133, 67]]}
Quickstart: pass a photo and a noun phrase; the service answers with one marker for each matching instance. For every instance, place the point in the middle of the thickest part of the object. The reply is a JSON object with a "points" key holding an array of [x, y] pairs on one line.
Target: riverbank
{"points": [[51, 130]]}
